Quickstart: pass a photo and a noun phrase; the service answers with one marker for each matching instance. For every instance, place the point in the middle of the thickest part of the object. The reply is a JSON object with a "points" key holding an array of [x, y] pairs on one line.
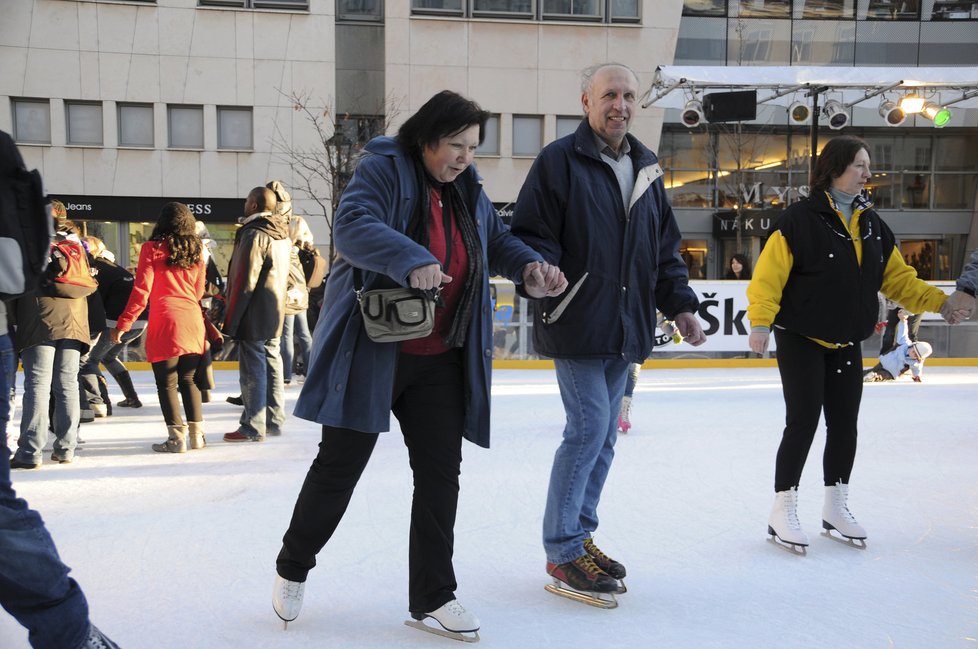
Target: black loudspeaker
{"points": [[730, 106]]}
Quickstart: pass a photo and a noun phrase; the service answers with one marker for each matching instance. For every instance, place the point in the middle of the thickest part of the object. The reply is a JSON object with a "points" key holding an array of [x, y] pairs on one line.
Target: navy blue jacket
{"points": [[351, 378], [570, 210]]}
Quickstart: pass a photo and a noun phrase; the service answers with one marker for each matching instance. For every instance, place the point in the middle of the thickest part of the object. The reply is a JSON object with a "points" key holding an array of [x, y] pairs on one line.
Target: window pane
{"points": [[957, 153], [575, 8], [765, 9], [916, 194], [567, 125], [705, 8], [954, 191], [698, 43], [887, 43], [950, 10], [371, 10], [135, 125], [280, 4], [820, 43], [84, 123], [186, 126], [948, 43], [490, 144], [835, 9], [437, 6], [527, 135], [884, 189], [503, 7], [624, 10], [891, 10], [234, 128], [759, 42], [32, 121]]}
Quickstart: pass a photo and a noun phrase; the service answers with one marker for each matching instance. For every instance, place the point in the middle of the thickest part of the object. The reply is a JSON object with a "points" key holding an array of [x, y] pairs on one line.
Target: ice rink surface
{"points": [[178, 551]]}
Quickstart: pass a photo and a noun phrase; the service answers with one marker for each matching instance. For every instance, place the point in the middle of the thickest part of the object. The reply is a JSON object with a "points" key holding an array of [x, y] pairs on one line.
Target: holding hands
{"points": [[959, 307], [543, 280]]}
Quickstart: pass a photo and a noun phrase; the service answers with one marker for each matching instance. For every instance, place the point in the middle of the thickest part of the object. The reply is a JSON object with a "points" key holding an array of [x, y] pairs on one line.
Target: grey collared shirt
{"points": [[621, 164]]}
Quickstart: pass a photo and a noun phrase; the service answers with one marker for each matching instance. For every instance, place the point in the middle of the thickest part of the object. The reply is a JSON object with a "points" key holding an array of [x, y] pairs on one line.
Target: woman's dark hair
{"points": [[178, 228], [444, 115], [745, 267], [836, 156]]}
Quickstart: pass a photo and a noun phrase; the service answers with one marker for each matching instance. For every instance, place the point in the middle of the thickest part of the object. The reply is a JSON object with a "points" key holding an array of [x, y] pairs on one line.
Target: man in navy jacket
{"points": [[594, 203]]}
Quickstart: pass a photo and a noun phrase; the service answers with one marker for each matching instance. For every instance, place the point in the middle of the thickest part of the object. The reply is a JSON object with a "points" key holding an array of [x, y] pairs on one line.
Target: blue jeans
{"points": [[591, 390], [34, 584], [299, 333], [262, 387], [49, 368]]}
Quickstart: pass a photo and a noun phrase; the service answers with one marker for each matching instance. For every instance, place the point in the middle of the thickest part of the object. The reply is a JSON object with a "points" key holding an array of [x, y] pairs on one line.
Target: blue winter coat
{"points": [[351, 378], [570, 209]]}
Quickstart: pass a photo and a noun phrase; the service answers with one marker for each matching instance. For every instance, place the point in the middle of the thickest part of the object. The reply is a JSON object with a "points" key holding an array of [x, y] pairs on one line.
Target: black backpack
{"points": [[26, 227]]}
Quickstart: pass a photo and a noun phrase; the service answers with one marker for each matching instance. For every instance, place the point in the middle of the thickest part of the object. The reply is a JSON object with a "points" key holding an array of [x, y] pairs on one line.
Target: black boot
{"points": [[128, 389]]}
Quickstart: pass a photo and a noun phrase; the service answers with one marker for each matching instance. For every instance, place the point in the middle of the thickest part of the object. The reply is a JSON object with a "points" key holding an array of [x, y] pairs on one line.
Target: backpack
{"points": [[69, 273], [25, 226], [314, 267]]}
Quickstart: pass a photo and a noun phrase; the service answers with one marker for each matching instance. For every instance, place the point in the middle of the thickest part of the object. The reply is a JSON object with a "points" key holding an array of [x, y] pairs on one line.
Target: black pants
{"points": [[815, 378], [429, 402], [173, 375]]}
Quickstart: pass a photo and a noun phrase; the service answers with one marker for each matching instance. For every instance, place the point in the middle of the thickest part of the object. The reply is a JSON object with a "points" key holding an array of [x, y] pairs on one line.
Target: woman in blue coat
{"points": [[414, 214]]}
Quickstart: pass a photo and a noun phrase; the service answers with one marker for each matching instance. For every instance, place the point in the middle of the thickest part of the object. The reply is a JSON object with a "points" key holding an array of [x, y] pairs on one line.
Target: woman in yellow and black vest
{"points": [[816, 284]]}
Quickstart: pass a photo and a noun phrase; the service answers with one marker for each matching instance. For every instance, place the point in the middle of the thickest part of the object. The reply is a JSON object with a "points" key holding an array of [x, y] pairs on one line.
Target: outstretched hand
{"points": [[690, 329], [541, 279]]}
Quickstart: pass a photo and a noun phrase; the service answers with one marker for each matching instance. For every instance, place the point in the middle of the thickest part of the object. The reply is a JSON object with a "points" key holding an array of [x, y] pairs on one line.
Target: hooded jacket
{"points": [[622, 260], [351, 378], [257, 277]]}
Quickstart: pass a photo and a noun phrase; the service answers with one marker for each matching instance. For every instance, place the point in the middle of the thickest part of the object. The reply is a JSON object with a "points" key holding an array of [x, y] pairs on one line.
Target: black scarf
{"points": [[453, 200]]}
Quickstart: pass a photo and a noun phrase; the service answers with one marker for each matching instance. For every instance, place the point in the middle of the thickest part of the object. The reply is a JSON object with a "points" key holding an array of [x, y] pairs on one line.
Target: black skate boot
{"points": [[583, 581], [606, 563]]}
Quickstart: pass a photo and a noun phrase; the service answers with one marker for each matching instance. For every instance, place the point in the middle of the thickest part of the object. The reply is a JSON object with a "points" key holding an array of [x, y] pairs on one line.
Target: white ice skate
{"points": [[452, 621], [784, 527], [287, 599], [836, 516], [624, 423]]}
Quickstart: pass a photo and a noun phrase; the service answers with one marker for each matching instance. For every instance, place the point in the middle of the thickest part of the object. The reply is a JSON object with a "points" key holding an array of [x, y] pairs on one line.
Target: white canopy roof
{"points": [[674, 85]]}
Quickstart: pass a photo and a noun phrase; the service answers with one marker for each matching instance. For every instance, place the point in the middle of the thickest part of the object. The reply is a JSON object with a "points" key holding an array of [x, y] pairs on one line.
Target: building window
{"points": [[954, 10], [257, 4], [826, 9], [490, 143], [606, 11], [32, 121], [889, 10], [359, 11], [567, 125], [527, 135], [234, 128], [765, 9], [186, 127], [705, 8], [136, 125], [84, 121]]}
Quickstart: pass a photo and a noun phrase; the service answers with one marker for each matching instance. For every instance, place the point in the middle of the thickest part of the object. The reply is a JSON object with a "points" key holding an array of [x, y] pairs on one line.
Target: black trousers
{"points": [[816, 379], [429, 403], [173, 376]]}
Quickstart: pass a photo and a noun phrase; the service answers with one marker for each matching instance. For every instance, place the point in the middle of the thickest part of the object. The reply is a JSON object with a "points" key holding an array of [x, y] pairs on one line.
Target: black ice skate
{"points": [[606, 563], [583, 581]]}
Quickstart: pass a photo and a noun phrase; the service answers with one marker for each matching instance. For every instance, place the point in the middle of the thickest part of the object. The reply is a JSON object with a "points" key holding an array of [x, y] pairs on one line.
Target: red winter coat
{"points": [[176, 324]]}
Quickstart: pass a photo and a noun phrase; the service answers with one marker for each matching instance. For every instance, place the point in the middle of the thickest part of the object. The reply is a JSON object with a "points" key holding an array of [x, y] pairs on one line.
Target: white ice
{"points": [[178, 551]]}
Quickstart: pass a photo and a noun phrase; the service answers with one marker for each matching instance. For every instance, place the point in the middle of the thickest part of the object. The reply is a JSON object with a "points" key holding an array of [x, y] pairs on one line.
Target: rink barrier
{"points": [[660, 363]]}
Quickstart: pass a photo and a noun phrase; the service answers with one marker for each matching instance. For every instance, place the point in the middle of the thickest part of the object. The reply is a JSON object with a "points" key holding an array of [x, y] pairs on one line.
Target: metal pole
{"points": [[814, 133]]}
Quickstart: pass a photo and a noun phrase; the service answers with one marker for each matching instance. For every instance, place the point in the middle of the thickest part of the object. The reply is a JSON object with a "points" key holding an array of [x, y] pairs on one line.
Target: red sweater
{"points": [[176, 324], [451, 293]]}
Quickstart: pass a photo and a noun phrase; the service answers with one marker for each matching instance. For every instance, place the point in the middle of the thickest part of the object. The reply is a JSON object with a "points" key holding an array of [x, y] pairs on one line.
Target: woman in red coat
{"points": [[170, 278]]}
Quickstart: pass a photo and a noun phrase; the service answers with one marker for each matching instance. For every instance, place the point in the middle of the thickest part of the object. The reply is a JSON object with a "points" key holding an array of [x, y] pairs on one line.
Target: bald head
{"points": [[260, 199], [588, 74]]}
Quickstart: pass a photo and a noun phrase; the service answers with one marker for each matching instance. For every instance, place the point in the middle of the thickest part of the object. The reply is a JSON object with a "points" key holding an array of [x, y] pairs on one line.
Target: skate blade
{"points": [[462, 636], [600, 600], [859, 544], [793, 548], [622, 589]]}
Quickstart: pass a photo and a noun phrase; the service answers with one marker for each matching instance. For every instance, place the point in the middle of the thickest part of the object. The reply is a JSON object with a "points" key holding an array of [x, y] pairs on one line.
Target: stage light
{"points": [[912, 103], [799, 113], [836, 114], [693, 113], [891, 113], [937, 114]]}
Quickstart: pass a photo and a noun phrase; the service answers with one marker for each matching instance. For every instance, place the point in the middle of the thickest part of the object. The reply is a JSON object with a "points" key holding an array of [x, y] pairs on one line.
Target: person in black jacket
{"points": [[114, 286], [816, 284]]}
